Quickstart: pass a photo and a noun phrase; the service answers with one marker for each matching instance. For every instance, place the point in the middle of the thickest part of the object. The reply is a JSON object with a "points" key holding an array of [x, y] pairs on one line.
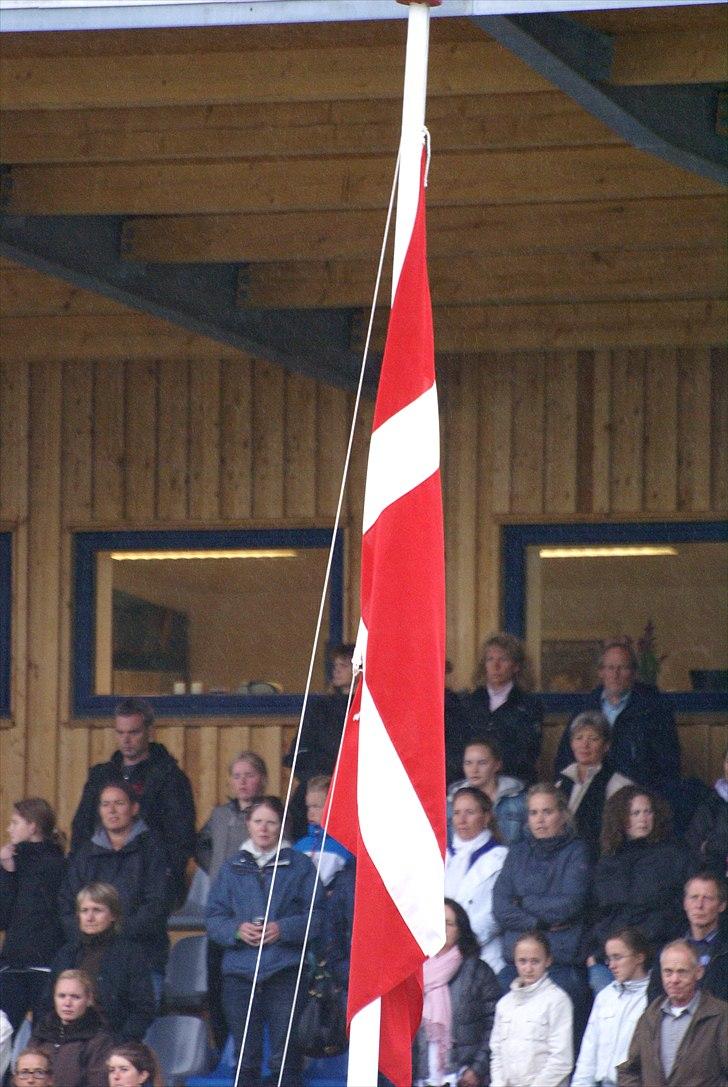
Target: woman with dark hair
{"points": [[256, 918], [117, 967], [133, 1065], [639, 878], [461, 992], [31, 870], [616, 1010], [127, 854], [76, 1032], [473, 861], [482, 766], [499, 708]]}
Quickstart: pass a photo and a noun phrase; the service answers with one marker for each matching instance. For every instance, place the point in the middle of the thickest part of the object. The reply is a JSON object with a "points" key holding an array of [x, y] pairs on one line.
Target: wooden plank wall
{"points": [[542, 435]]}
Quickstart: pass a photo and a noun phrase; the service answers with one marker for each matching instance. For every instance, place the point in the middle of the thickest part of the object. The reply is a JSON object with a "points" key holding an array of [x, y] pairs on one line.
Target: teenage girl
{"points": [[531, 1042]]}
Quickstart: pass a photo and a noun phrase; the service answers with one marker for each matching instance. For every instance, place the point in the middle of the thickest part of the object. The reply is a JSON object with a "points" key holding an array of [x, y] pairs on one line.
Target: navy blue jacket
{"points": [[645, 745], [123, 984], [516, 727], [640, 885], [240, 893], [543, 883], [140, 873], [29, 905]]}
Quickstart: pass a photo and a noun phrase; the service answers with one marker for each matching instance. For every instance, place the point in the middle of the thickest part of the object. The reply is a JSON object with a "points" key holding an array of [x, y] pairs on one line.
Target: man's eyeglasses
{"points": [[32, 1073]]}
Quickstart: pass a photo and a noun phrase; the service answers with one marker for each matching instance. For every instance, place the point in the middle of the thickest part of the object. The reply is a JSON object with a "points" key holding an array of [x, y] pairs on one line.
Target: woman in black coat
{"points": [[639, 878], [473, 992], [31, 869], [117, 967]]}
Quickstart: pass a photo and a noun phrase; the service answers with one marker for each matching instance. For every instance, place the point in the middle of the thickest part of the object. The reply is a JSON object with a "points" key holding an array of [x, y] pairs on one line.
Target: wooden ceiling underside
{"points": [[272, 149]]}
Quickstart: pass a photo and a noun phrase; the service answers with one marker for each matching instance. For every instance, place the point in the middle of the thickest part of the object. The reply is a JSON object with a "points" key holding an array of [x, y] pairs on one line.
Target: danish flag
{"points": [[387, 803]]}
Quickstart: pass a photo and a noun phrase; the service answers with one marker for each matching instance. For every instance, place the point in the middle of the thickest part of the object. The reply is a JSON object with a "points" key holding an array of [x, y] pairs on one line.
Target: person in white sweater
{"points": [[531, 1042], [616, 1010], [473, 861]]}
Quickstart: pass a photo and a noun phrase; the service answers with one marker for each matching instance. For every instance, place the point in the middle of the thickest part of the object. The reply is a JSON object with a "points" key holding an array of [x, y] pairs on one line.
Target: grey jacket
{"points": [[221, 837]]}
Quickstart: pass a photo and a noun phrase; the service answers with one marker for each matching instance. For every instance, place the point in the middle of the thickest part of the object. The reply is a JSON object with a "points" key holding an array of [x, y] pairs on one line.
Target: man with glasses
{"points": [[163, 790], [33, 1066]]}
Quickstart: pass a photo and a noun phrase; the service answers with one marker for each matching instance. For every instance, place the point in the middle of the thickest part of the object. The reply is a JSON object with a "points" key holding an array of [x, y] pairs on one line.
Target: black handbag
{"points": [[322, 1026]]}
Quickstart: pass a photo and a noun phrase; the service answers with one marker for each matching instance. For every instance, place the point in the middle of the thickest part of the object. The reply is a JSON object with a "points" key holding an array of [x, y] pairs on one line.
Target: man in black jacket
{"points": [[644, 741], [704, 903], [163, 790]]}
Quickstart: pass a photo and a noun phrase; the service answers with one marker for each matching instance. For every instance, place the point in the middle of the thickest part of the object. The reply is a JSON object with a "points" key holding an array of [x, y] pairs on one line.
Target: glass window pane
{"points": [[577, 597]]}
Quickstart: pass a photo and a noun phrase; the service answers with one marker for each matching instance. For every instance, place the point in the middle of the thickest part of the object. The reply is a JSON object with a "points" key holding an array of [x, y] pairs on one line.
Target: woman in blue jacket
{"points": [[544, 885], [235, 911]]}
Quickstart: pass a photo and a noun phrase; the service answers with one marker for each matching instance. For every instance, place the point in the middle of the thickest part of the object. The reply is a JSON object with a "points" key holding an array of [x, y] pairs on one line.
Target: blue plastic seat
{"points": [[181, 1045]]}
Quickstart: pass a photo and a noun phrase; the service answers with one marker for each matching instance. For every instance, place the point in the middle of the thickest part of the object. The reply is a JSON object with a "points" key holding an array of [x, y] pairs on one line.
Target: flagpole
{"points": [[364, 1033]]}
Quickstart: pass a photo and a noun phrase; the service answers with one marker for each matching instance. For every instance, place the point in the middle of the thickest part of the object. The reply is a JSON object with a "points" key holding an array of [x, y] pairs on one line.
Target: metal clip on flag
{"points": [[388, 805]]}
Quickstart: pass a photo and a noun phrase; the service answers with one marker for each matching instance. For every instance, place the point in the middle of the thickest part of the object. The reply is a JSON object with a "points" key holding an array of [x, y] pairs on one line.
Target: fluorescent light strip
{"points": [[620, 552], [250, 553]]}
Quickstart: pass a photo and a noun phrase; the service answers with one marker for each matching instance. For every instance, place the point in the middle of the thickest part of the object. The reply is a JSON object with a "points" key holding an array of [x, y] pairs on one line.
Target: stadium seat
{"points": [[185, 979], [180, 1042], [191, 914]]}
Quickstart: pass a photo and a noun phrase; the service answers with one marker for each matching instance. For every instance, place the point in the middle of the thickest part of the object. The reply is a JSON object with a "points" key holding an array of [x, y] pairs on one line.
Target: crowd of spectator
{"points": [[584, 914]]}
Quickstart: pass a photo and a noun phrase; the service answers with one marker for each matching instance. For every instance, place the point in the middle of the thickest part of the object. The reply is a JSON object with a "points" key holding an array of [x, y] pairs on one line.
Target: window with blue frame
{"points": [[568, 587], [217, 622], [5, 620]]}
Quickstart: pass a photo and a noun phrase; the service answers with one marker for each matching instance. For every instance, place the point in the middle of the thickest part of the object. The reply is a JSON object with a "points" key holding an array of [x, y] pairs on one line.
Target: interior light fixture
{"points": [[239, 553], [619, 551]]}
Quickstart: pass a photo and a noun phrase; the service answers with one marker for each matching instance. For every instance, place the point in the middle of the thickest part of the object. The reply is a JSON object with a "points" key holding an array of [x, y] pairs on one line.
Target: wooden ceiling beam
{"points": [[349, 235], [487, 177], [262, 75], [282, 130], [586, 325], [587, 275]]}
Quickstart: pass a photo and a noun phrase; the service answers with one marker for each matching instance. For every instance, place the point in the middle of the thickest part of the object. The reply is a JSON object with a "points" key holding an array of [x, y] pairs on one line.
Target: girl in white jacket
{"points": [[472, 863], [616, 1010], [531, 1042]]}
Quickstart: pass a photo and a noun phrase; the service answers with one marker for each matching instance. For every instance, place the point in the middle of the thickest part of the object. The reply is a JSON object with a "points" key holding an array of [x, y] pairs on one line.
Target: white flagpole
{"points": [[364, 1032]]}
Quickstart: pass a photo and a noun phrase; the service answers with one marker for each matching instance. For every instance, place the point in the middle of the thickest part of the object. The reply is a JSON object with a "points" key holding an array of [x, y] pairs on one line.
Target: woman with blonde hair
{"points": [[76, 1032], [31, 870], [117, 966]]}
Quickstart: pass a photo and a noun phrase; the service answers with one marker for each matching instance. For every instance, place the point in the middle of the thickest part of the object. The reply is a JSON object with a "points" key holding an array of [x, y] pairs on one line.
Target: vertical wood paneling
{"points": [[602, 438], [78, 414], [108, 453], [719, 429], [694, 419], [561, 433], [236, 440], [528, 433], [268, 404], [487, 562], [141, 440], [204, 414], [660, 429], [300, 475], [333, 426], [173, 442], [584, 431], [44, 539], [501, 429], [627, 430], [14, 400], [201, 764]]}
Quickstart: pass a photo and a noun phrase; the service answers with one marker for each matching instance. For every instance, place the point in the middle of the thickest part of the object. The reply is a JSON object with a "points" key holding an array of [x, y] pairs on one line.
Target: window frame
{"points": [[517, 537], [86, 545]]}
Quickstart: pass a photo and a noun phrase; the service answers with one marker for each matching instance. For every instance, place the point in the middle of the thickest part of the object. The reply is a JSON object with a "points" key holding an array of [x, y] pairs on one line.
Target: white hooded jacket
{"points": [[471, 869], [531, 1042], [609, 1031]]}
